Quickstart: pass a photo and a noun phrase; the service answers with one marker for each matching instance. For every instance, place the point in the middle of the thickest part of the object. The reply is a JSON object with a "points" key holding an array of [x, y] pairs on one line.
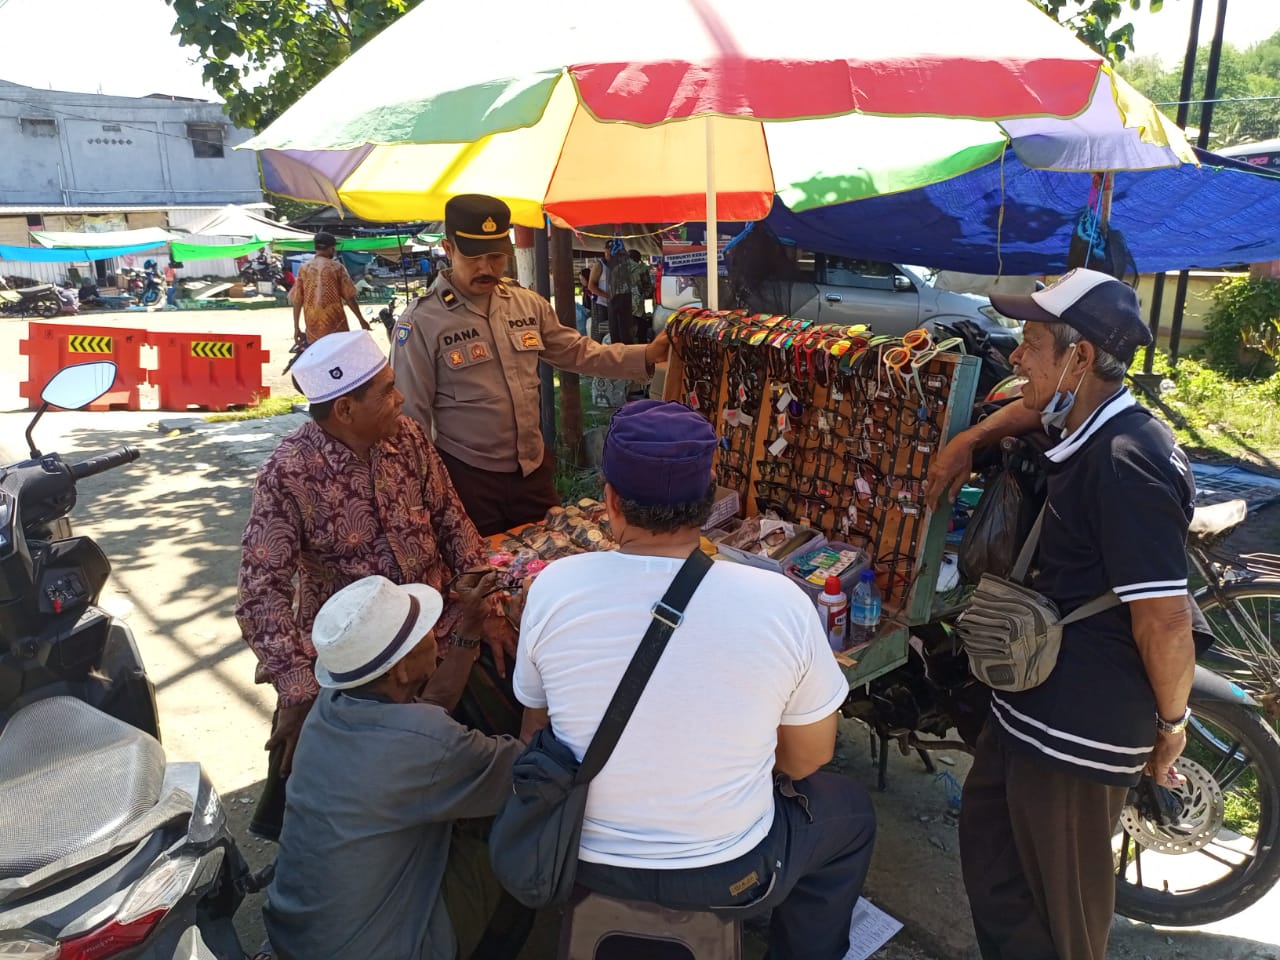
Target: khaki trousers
{"points": [[1035, 850]]}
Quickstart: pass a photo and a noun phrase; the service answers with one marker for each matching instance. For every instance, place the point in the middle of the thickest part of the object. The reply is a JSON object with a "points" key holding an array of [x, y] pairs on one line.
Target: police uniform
{"points": [[472, 379]]}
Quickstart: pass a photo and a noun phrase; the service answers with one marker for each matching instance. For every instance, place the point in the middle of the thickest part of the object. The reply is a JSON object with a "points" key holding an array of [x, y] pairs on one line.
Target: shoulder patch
{"points": [[403, 329]]}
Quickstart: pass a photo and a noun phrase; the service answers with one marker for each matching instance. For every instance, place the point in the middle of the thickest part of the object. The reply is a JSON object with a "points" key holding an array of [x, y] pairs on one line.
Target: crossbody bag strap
{"points": [[1104, 602], [667, 615], [1023, 563]]}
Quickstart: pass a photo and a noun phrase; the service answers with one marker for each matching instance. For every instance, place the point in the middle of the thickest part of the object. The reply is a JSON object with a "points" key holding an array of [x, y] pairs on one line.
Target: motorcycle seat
{"points": [[1208, 522], [70, 776]]}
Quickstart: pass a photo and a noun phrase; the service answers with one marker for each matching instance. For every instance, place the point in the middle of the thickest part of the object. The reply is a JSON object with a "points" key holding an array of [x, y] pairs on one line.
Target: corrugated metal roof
{"points": [[17, 210]]}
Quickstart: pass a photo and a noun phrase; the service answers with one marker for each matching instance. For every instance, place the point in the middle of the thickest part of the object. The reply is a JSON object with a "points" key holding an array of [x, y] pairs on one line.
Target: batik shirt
{"points": [[323, 518], [322, 286]]}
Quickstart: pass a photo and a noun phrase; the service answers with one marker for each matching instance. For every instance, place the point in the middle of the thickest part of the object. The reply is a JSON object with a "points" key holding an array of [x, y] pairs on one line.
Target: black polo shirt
{"points": [[1119, 500]]}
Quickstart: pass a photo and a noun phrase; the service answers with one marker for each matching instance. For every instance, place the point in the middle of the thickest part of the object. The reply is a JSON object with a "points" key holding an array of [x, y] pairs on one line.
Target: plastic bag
{"points": [[999, 526]]}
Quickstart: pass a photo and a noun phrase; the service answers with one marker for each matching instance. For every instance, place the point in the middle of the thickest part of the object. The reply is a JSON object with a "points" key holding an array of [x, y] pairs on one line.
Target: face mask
{"points": [[1054, 416]]}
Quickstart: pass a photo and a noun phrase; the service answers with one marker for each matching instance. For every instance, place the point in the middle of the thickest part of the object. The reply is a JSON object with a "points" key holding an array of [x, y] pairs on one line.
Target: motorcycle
{"points": [[42, 300], [262, 269], [387, 315], [107, 849], [1227, 812], [152, 284]]}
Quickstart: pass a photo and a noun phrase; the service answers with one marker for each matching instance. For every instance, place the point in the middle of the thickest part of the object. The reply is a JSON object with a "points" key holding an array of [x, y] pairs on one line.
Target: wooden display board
{"points": [[821, 427]]}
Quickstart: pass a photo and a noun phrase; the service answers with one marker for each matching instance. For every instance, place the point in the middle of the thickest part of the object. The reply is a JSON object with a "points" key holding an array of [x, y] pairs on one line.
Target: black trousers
{"points": [[809, 870], [499, 501], [1035, 850], [622, 325], [599, 321]]}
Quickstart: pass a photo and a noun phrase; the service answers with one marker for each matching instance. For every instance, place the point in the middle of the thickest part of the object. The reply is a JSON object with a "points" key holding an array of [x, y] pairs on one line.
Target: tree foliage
{"points": [[1092, 19], [263, 55], [1253, 72]]}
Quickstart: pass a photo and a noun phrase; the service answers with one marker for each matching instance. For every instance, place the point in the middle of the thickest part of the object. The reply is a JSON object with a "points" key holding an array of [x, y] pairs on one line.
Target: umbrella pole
{"points": [[712, 233]]}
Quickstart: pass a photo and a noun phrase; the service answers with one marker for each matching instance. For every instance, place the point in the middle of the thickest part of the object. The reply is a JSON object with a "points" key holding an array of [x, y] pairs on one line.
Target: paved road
{"points": [[171, 524]]}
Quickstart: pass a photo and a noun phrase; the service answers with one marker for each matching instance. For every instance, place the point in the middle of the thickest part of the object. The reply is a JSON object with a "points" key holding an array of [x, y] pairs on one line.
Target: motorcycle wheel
{"points": [[1223, 854], [150, 297], [45, 308]]}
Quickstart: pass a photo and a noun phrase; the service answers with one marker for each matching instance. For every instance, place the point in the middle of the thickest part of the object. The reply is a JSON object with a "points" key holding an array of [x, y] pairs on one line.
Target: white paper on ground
{"points": [[870, 928]]}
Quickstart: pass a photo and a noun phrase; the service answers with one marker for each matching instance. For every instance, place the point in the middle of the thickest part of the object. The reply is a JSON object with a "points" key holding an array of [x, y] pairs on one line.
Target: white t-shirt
{"points": [[690, 782]]}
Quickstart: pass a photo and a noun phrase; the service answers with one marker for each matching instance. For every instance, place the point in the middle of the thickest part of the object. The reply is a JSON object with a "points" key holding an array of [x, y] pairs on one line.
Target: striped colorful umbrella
{"points": [[700, 109]]}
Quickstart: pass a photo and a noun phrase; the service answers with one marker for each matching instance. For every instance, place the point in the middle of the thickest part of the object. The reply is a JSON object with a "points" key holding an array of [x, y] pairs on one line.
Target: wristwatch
{"points": [[1174, 727]]}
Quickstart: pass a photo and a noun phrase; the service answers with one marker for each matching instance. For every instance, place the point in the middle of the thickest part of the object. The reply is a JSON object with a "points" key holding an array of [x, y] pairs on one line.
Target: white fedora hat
{"points": [[367, 627]]}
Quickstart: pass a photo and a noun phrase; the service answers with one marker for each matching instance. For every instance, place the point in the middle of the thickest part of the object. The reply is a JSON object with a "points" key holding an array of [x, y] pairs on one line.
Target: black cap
{"points": [[1104, 310], [478, 224], [324, 239]]}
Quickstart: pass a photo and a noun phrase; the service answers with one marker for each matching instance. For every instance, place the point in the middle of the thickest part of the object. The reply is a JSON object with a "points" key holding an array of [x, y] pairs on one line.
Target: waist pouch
{"points": [[1011, 633]]}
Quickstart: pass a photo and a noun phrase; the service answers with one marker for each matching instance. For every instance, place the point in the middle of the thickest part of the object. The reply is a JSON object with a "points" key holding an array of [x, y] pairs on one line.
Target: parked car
{"points": [[890, 298]]}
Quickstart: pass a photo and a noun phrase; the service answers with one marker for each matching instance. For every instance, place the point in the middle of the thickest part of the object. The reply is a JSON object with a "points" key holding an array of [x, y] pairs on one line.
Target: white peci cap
{"points": [[337, 364]]}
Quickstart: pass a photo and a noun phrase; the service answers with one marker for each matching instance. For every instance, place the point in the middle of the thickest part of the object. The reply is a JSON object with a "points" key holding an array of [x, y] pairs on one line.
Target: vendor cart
{"points": [[834, 428]]}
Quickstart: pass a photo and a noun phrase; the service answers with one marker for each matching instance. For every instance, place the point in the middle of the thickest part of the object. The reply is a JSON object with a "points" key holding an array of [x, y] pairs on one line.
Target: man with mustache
{"points": [[466, 357]]}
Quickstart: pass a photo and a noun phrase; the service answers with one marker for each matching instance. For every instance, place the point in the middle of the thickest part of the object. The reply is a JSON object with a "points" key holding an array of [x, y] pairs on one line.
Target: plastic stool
{"points": [[597, 927]]}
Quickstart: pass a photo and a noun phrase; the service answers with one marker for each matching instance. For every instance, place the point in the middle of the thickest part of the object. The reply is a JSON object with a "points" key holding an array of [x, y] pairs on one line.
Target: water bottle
{"points": [[833, 606], [864, 609]]}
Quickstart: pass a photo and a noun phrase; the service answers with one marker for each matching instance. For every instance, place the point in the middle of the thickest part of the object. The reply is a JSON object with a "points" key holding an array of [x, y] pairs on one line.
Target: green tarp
{"points": [[183, 252]]}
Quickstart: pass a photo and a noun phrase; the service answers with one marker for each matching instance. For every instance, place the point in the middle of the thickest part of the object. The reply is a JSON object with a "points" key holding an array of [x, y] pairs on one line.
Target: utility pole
{"points": [[1202, 141], [1184, 105], [570, 395]]}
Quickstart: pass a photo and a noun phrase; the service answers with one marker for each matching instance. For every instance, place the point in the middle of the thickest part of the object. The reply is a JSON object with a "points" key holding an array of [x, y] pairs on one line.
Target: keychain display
{"points": [[823, 424]]}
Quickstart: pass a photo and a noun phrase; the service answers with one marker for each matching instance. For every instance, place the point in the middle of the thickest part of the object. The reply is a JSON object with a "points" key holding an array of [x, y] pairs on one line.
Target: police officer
{"points": [[466, 358]]}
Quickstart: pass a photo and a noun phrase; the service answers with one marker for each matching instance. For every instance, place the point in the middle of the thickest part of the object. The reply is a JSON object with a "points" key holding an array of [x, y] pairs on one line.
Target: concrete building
{"points": [[87, 162]]}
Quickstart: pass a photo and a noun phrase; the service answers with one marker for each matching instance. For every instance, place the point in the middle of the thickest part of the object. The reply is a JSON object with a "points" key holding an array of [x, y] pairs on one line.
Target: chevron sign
{"points": [[83, 343], [212, 348]]}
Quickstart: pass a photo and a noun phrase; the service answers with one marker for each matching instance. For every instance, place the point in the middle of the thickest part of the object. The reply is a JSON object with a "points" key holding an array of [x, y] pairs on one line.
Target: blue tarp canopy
{"points": [[69, 255], [1219, 214]]}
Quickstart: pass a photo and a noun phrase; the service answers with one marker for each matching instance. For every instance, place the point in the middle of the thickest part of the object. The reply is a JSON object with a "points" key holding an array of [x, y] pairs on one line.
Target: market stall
{"points": [[829, 430], [832, 429]]}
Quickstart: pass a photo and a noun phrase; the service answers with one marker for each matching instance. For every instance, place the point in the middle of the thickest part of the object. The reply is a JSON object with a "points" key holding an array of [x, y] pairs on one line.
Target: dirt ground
{"points": [[171, 524]]}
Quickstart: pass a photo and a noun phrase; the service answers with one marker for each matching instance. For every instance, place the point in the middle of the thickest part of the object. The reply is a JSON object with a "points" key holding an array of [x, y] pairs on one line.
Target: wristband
{"points": [[457, 640]]}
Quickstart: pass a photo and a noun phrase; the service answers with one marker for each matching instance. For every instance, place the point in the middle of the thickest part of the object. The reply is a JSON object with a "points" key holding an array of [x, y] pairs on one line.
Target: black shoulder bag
{"points": [[533, 845]]}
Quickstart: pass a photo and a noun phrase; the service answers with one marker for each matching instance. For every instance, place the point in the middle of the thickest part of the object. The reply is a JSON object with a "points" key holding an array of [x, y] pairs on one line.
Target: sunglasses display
{"points": [[825, 424]]}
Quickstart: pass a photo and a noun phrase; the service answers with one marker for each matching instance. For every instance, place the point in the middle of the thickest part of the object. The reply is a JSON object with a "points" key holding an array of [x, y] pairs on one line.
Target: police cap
{"points": [[478, 224]]}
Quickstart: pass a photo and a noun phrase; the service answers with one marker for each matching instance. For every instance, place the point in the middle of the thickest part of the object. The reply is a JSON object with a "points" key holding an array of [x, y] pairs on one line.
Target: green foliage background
{"points": [[1253, 72]]}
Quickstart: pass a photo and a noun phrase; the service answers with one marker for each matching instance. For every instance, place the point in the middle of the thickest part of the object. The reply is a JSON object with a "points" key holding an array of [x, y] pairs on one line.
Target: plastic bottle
{"points": [[864, 609], [833, 606]]}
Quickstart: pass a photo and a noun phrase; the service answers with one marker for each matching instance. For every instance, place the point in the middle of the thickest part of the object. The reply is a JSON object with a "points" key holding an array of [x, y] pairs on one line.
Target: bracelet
{"points": [[1173, 727], [457, 640]]}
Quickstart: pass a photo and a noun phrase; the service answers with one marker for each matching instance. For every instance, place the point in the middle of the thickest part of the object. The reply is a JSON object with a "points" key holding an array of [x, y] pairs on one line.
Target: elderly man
{"points": [[356, 492], [712, 799], [1055, 762], [369, 862], [320, 291], [466, 356]]}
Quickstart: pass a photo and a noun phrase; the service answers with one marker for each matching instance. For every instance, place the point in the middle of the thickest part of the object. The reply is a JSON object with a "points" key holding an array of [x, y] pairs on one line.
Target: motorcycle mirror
{"points": [[72, 388]]}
